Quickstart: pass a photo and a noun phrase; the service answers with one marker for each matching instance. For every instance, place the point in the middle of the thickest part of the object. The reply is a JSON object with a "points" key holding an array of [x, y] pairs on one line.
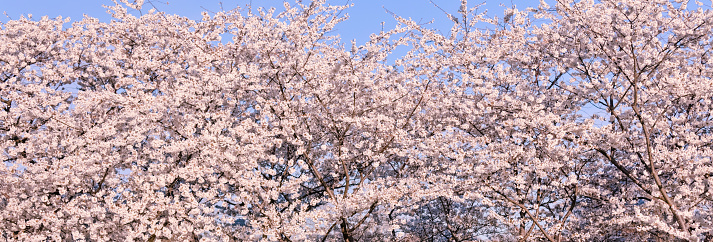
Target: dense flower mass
{"points": [[583, 121]]}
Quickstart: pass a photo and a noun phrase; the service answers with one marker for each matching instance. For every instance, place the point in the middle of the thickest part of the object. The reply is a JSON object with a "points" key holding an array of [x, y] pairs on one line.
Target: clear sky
{"points": [[365, 17]]}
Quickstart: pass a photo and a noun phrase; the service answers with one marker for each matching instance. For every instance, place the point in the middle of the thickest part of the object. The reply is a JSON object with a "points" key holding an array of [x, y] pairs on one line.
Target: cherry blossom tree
{"points": [[582, 121], [572, 128], [278, 133], [644, 64]]}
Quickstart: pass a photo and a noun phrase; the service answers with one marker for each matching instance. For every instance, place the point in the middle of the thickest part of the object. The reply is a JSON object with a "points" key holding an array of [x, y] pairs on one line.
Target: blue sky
{"points": [[365, 17]]}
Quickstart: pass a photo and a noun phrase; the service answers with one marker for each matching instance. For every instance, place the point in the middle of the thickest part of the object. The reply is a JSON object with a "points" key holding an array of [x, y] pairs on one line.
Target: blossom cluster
{"points": [[581, 121]]}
